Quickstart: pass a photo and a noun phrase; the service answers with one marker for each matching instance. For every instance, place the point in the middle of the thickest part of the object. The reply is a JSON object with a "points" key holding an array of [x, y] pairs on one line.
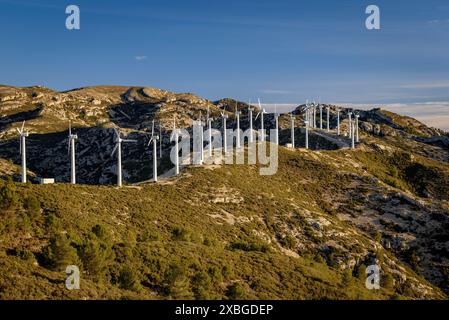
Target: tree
{"points": [[59, 253]]}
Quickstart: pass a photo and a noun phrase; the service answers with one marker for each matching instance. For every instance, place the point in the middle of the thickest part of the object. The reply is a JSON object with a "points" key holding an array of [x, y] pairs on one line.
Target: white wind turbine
{"points": [[292, 118], [224, 116], [175, 136], [276, 119], [321, 116], [118, 148], [357, 128], [201, 125], [250, 115], [71, 150], [350, 124], [153, 139], [209, 124], [237, 117], [306, 123], [23, 135], [338, 121], [352, 136], [262, 125]]}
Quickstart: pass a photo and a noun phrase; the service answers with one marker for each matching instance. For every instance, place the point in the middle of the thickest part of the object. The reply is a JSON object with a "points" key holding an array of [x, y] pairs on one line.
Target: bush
{"points": [[59, 253], [235, 291], [32, 205], [201, 284], [176, 283], [251, 246], [96, 258], [128, 279], [8, 195], [180, 234]]}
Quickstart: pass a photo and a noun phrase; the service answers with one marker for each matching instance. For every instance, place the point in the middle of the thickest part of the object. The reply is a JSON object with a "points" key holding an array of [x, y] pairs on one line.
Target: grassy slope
{"points": [[183, 241]]}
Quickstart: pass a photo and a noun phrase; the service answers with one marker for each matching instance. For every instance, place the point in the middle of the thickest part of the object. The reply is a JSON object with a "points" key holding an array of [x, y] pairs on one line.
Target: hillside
{"points": [[218, 232]]}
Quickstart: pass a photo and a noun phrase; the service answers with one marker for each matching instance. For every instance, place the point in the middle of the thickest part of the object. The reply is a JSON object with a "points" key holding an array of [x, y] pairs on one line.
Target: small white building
{"points": [[46, 180]]}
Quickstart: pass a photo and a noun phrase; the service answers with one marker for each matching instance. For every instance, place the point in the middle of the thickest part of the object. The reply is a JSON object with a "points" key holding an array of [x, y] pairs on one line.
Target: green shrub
{"points": [[180, 234], [32, 205], [249, 246], [59, 253], [8, 195], [201, 285], [96, 258], [235, 291], [128, 279]]}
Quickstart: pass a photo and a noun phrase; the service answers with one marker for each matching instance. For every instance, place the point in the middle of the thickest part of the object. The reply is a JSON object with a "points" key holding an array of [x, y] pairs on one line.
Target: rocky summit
{"points": [[310, 231]]}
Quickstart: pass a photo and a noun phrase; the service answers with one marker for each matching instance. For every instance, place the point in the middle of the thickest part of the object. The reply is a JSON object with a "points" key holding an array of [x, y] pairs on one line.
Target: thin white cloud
{"points": [[140, 58], [274, 91], [428, 85]]}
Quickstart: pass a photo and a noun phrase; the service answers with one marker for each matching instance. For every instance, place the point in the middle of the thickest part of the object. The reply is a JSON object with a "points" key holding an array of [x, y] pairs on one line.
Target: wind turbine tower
{"points": [[237, 119], [175, 136], [250, 115], [209, 124], [23, 135], [118, 148], [357, 128], [276, 119], [327, 118], [72, 139], [262, 128], [321, 117], [307, 134], [292, 118], [350, 124], [352, 137], [338, 121], [154, 138], [225, 138]]}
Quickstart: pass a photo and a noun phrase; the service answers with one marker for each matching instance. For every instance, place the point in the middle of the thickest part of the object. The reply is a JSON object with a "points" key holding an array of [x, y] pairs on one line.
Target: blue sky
{"points": [[281, 51]]}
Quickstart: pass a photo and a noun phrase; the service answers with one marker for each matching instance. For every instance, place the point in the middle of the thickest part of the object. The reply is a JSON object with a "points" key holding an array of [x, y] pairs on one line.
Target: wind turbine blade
{"points": [[68, 149], [23, 125], [113, 150], [70, 129], [152, 129], [260, 106], [18, 130], [257, 116], [117, 133]]}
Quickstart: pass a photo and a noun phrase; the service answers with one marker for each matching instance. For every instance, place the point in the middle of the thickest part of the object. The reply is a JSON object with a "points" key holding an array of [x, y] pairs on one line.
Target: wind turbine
{"points": [[250, 115], [261, 113], [224, 116], [71, 150], [292, 118], [175, 136], [209, 123], [201, 125], [307, 133], [23, 135], [276, 118], [327, 119], [118, 148], [321, 117], [338, 121], [357, 128], [154, 138], [352, 137], [350, 124], [237, 117]]}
